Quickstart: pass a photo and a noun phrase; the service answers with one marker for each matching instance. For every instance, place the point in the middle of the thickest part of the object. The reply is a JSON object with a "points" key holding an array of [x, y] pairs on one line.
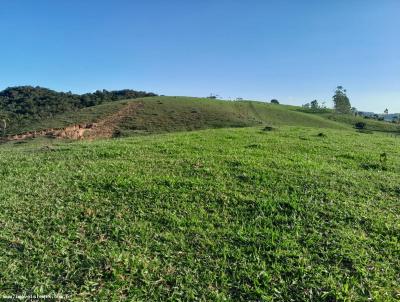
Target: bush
{"points": [[268, 128], [273, 101], [360, 125]]}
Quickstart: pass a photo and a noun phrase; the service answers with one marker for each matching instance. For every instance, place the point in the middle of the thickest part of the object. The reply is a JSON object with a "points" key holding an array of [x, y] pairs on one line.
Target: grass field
{"points": [[171, 114], [212, 215], [370, 124]]}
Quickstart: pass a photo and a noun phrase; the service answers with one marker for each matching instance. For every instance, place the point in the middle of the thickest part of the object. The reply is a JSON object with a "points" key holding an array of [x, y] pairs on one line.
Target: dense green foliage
{"points": [[228, 214], [315, 107], [341, 101], [26, 102]]}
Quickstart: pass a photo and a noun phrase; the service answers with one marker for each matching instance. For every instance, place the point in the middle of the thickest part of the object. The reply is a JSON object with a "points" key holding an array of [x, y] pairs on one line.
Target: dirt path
{"points": [[102, 129], [106, 127]]}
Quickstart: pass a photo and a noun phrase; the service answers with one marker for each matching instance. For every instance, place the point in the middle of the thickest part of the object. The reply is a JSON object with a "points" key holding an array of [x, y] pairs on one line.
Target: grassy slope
{"points": [[236, 214], [177, 114], [351, 120], [161, 114], [85, 115], [372, 125]]}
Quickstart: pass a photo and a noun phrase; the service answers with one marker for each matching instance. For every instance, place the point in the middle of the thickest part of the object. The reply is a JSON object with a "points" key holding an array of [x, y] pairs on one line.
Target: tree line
{"points": [[341, 103]]}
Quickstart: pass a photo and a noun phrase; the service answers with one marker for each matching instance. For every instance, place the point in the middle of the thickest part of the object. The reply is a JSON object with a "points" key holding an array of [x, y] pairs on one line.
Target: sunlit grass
{"points": [[228, 214]]}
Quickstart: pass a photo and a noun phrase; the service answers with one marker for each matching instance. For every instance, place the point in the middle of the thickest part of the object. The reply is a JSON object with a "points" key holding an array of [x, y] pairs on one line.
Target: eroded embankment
{"points": [[104, 128]]}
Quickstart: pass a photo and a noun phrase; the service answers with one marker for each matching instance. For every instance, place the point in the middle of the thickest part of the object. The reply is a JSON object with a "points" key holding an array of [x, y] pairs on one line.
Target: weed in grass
{"points": [[384, 161]]}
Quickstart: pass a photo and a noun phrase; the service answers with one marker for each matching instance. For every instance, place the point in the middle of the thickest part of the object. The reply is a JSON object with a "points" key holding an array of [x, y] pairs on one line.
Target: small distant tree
{"points": [[314, 105], [386, 111], [3, 125], [306, 106], [274, 101], [341, 101]]}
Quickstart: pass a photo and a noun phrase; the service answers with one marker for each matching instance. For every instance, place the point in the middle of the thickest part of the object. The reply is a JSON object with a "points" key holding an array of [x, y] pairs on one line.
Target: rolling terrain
{"points": [[169, 114], [261, 203]]}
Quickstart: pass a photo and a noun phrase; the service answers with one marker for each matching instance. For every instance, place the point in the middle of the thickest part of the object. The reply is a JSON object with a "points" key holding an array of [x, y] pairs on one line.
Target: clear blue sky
{"points": [[295, 51]]}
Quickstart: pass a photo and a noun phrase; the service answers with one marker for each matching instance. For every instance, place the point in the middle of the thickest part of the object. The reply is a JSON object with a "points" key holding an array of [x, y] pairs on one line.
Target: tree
{"points": [[354, 111], [386, 111], [3, 123], [314, 105], [341, 101], [274, 101]]}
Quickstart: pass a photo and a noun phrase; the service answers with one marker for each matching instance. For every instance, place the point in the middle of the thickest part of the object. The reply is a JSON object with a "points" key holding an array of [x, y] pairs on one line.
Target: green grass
{"points": [[371, 125], [179, 114], [213, 215], [171, 114]]}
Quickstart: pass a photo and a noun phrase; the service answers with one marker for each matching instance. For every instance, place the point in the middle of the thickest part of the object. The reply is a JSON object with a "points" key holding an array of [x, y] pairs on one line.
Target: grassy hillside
{"points": [[372, 125], [177, 114], [85, 115], [214, 215], [27, 103], [167, 114]]}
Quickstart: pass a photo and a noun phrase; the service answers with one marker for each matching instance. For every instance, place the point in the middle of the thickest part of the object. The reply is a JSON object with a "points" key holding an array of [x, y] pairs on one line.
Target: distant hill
{"points": [[36, 111], [366, 113], [386, 117], [390, 117]]}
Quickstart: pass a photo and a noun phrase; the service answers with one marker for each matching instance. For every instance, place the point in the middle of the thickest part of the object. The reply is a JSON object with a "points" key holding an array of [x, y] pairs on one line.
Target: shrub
{"points": [[268, 128], [360, 125], [384, 159]]}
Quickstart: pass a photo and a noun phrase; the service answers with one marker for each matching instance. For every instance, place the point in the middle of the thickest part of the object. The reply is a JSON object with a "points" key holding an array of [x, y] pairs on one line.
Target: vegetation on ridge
{"points": [[28, 104]]}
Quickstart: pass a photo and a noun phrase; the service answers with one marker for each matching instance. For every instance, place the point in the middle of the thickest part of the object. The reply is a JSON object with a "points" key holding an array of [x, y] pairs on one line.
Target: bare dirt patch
{"points": [[102, 129]]}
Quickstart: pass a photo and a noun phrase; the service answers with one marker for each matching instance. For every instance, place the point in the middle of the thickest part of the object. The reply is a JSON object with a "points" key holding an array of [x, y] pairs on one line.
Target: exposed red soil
{"points": [[102, 129]]}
